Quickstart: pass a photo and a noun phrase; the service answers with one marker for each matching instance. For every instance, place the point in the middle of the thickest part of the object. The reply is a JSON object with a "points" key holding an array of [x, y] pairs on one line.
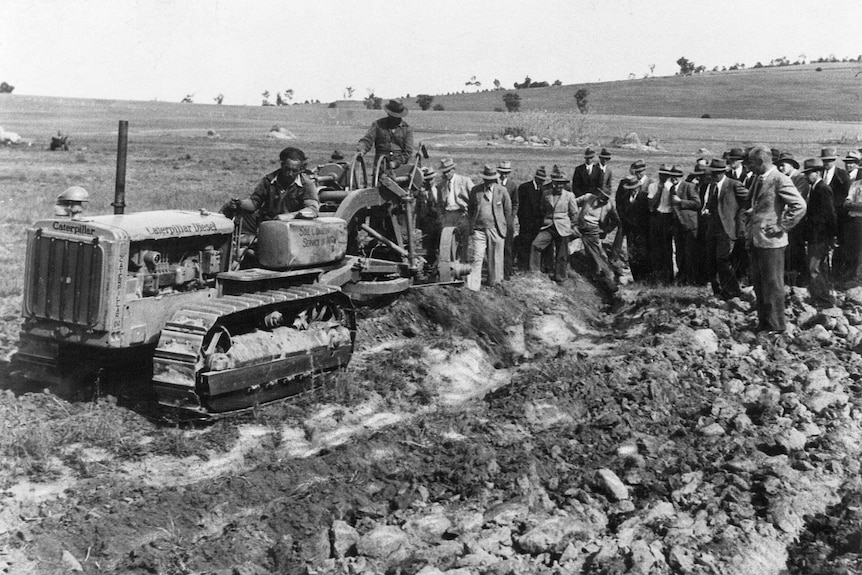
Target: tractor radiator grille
{"points": [[65, 279]]}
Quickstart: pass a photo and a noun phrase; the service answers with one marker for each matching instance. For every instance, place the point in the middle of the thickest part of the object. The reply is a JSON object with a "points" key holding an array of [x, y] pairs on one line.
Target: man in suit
{"points": [[489, 210], [686, 204], [586, 176], [795, 258], [721, 214], [560, 211], [839, 181], [821, 233], [776, 206], [851, 164], [530, 214], [505, 170], [661, 222], [604, 176], [736, 169], [633, 210], [453, 192]]}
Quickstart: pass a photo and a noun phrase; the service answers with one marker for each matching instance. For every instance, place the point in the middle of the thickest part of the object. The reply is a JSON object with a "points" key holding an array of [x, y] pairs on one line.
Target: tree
{"points": [[802, 58], [525, 84], [189, 99], [348, 92], [686, 66], [424, 101], [497, 85], [219, 99], [473, 82], [651, 68], [6, 88], [372, 102], [557, 83], [632, 76], [265, 101], [581, 99], [512, 101]]}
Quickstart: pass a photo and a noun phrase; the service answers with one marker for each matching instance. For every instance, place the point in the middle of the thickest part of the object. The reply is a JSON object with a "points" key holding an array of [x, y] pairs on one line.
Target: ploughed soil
{"points": [[527, 428]]}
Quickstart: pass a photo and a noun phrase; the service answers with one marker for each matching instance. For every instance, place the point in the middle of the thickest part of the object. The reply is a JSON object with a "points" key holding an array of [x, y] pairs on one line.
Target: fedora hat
{"points": [[675, 171], [829, 153], [787, 158], [395, 109], [853, 157], [605, 154], [336, 156], [717, 165], [665, 169], [735, 154], [638, 166], [504, 167], [558, 174], [542, 174], [489, 172], [427, 173], [589, 153], [446, 165], [812, 165], [631, 183]]}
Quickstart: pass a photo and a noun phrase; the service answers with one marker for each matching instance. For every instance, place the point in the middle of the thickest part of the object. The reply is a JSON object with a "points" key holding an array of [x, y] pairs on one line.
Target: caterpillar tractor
{"points": [[164, 298]]}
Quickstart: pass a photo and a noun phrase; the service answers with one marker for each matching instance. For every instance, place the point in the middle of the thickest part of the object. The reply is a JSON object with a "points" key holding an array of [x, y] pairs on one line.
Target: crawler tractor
{"points": [[163, 295]]}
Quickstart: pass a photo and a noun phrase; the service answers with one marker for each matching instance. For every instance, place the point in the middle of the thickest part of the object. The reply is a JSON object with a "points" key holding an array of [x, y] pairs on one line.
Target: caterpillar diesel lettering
{"points": [[161, 293]]}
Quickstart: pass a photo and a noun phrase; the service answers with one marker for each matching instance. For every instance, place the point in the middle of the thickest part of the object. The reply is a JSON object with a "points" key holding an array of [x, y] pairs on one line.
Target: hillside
{"points": [[776, 93]]}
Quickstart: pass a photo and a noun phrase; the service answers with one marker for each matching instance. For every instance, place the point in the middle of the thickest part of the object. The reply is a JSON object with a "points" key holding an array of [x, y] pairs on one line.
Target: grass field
{"points": [[173, 164], [775, 93]]}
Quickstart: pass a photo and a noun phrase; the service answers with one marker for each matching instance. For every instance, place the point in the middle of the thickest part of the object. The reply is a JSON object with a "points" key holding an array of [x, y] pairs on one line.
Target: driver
{"points": [[288, 190], [72, 203], [391, 137]]}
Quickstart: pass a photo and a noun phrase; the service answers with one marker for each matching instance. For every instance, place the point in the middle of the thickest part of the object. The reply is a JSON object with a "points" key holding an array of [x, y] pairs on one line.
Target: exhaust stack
{"points": [[119, 202]]}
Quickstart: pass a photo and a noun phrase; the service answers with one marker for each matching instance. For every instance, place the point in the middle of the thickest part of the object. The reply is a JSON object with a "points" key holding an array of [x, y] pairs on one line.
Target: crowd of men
{"points": [[752, 215]]}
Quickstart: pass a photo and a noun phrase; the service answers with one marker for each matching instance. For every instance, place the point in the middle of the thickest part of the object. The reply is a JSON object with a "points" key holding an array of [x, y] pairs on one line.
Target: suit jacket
{"points": [[776, 206], [840, 185], [633, 206], [462, 185], [731, 195], [802, 184], [605, 180], [685, 212], [512, 188], [530, 214], [821, 214], [606, 214], [582, 182], [560, 212], [501, 207]]}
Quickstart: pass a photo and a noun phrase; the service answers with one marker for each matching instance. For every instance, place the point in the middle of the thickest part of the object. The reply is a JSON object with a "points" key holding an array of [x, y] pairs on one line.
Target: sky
{"points": [[166, 49]]}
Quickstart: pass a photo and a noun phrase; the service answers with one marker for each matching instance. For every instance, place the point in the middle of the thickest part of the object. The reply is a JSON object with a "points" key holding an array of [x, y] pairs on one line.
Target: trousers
{"points": [[490, 242], [766, 269]]}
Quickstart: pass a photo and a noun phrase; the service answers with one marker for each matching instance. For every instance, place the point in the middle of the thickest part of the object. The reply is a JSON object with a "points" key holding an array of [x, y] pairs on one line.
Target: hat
{"points": [[829, 153], [336, 155], [853, 157], [542, 174], [74, 194], [717, 165], [559, 175], [699, 169], [605, 154], [665, 169], [787, 157], [812, 165], [489, 172], [675, 171], [446, 165], [427, 173], [504, 167], [638, 166], [395, 109], [735, 154], [589, 153], [631, 183]]}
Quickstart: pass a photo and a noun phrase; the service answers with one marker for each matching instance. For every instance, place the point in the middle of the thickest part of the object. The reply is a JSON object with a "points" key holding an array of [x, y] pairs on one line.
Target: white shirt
{"points": [[827, 175]]}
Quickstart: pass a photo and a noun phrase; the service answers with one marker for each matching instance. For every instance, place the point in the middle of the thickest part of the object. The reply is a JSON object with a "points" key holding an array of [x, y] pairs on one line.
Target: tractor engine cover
{"points": [[284, 244]]}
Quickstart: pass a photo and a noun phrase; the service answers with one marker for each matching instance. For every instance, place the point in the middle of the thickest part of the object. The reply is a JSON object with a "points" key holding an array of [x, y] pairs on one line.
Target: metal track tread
{"points": [[182, 380]]}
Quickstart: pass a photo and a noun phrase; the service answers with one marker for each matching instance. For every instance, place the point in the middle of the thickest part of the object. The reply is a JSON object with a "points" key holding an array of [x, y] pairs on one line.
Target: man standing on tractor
{"points": [[391, 137]]}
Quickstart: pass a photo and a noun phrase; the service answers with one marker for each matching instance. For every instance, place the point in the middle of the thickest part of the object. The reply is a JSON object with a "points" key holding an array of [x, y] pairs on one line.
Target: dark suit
{"points": [[685, 223], [796, 258], [584, 182], [723, 217], [529, 218], [509, 250], [633, 211], [821, 230], [840, 185]]}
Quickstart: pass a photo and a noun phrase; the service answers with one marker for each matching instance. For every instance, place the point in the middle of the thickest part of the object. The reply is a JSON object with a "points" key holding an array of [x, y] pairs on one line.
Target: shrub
{"points": [[424, 101], [706, 116], [818, 69], [582, 101], [498, 109], [438, 107], [332, 105], [512, 101]]}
